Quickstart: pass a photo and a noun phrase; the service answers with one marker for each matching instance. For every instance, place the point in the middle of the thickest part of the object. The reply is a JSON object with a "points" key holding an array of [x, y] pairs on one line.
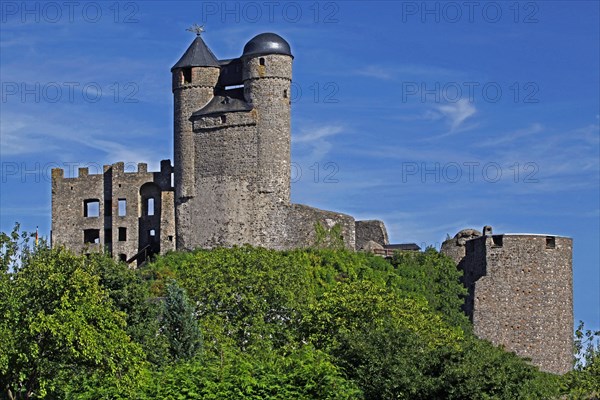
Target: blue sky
{"points": [[432, 116]]}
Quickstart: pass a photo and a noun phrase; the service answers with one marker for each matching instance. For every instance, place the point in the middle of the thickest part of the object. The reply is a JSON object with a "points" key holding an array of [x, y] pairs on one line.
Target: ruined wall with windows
{"points": [[520, 293], [127, 214]]}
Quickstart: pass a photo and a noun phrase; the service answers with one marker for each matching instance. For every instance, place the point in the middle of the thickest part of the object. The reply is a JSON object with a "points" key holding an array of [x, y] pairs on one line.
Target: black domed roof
{"points": [[267, 43]]}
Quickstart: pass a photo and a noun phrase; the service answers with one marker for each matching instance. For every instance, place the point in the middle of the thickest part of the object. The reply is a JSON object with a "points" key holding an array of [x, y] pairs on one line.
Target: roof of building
{"points": [[267, 43], [402, 246], [223, 102], [197, 55]]}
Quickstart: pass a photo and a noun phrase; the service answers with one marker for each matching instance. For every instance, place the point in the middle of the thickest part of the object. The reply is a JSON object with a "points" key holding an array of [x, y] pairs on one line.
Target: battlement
{"points": [[117, 168]]}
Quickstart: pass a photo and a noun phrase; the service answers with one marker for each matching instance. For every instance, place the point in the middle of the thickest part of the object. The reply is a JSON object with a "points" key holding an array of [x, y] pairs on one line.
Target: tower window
{"points": [[91, 208], [285, 93], [122, 257], [261, 61], [187, 75], [91, 236], [122, 234], [122, 207], [223, 119], [550, 242], [152, 235]]}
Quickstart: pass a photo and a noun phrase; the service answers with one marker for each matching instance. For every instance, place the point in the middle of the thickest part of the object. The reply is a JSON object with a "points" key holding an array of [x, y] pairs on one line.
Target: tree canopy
{"points": [[253, 323]]}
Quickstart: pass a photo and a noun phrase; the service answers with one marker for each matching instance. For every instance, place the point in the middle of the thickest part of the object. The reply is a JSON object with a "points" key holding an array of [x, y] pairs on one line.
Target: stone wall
{"points": [[521, 295], [110, 211], [371, 230], [301, 222]]}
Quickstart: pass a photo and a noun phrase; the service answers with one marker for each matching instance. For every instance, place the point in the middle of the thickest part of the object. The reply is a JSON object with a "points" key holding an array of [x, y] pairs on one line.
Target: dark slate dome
{"points": [[267, 43]]}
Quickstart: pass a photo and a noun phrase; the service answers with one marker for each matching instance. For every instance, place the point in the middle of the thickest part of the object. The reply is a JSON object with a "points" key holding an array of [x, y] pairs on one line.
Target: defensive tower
{"points": [[194, 78], [520, 292]]}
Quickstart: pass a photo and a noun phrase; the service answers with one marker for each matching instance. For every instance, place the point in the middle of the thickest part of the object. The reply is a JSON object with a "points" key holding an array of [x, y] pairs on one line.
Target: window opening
{"points": [[122, 207], [91, 208], [91, 236]]}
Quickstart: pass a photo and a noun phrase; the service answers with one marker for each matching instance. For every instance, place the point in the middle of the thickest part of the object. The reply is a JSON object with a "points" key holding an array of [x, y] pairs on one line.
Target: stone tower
{"points": [[267, 77], [520, 292], [194, 77], [232, 145]]}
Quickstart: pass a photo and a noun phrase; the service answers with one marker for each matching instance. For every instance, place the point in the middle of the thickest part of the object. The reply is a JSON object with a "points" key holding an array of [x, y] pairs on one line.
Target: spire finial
{"points": [[197, 29]]}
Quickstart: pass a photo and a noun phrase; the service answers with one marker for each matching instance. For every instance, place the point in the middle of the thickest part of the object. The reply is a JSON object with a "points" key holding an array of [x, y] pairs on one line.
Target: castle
{"points": [[230, 185]]}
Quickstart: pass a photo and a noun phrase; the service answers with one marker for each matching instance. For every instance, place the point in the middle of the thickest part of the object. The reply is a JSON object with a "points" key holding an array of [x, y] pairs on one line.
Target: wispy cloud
{"points": [[404, 71], [310, 135], [512, 136], [93, 138], [376, 71], [457, 113], [314, 143]]}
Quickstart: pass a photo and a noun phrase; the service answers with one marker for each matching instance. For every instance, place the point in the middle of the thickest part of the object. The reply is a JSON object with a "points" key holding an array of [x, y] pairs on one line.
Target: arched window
{"points": [[150, 194], [261, 61]]}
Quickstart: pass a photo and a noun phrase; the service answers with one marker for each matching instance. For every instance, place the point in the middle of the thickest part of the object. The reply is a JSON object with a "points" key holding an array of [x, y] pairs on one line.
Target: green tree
{"points": [[481, 370], [383, 341], [304, 374], [584, 381], [179, 324], [59, 326], [131, 295], [436, 277]]}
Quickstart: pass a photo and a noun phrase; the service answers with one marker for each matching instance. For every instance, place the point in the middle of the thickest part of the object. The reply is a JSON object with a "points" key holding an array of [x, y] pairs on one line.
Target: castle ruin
{"points": [[520, 292], [230, 185]]}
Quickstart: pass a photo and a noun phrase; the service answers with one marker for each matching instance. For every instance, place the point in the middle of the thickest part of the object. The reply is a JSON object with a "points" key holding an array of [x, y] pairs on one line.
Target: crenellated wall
{"points": [[112, 211]]}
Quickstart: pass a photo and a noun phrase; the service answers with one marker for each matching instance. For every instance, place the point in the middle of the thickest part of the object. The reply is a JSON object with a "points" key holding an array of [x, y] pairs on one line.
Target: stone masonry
{"points": [[117, 211], [520, 293]]}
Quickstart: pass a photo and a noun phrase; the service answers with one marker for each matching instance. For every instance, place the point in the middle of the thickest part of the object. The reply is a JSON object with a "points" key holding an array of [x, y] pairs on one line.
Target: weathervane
{"points": [[197, 29]]}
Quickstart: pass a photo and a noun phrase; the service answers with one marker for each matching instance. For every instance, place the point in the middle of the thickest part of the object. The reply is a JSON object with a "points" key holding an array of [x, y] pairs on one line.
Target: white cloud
{"points": [[512, 136], [93, 138], [457, 113], [315, 143], [375, 71], [401, 72], [310, 135]]}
